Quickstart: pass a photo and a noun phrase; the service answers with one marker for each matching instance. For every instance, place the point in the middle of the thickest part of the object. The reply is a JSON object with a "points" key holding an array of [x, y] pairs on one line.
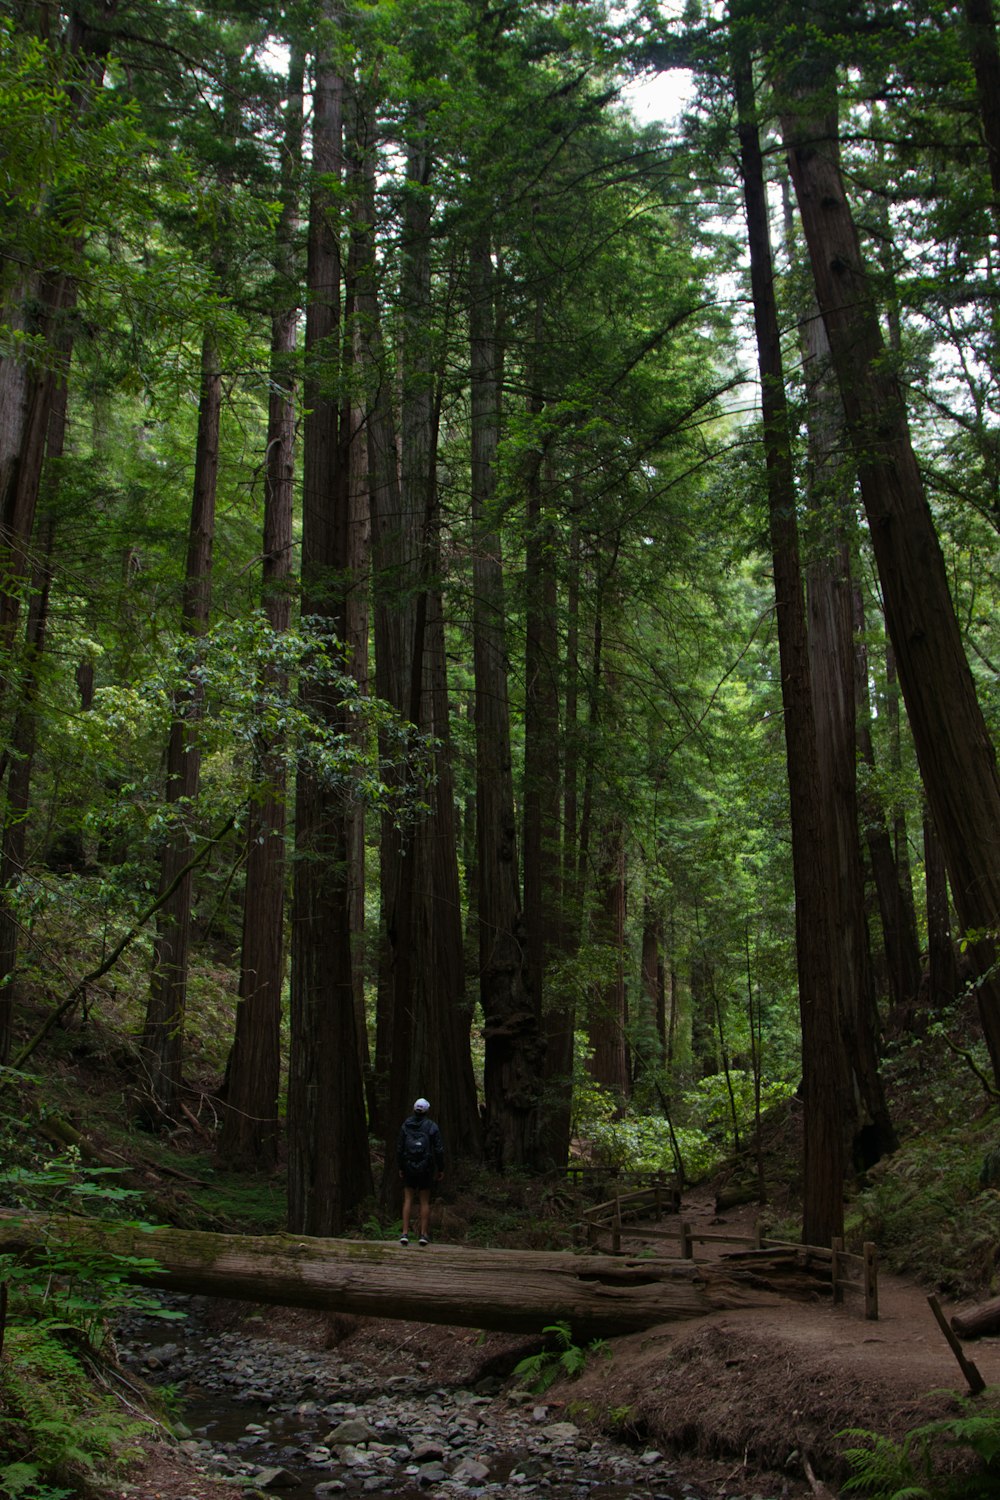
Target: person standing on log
{"points": [[420, 1159]]}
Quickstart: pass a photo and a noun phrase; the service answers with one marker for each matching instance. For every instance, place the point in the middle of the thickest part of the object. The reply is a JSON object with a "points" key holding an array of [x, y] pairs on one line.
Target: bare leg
{"points": [[408, 1208], [425, 1212]]}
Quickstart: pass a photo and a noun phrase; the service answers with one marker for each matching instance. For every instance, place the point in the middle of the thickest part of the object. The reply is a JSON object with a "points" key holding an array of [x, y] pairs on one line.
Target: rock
{"points": [[350, 1457], [432, 1474], [275, 1479], [470, 1469], [560, 1432], [354, 1430], [422, 1452]]}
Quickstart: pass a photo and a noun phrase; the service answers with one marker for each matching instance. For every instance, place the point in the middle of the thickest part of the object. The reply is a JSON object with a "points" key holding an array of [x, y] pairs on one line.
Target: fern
{"points": [[539, 1371], [883, 1469]]}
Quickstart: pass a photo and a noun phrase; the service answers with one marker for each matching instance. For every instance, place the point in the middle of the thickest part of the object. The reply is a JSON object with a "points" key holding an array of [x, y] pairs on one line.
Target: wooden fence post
{"points": [[687, 1247], [836, 1246], [758, 1235], [616, 1228], [871, 1279]]}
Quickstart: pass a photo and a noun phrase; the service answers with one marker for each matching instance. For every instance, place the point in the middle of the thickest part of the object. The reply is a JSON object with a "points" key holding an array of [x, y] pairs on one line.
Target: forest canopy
{"points": [[498, 597]]}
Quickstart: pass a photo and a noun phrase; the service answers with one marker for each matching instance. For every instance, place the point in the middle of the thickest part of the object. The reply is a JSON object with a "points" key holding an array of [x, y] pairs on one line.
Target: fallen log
{"points": [[975, 1321], [517, 1291]]}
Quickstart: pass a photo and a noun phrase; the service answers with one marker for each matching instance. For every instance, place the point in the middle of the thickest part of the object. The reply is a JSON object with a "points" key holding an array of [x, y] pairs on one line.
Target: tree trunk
{"points": [[826, 1095], [899, 931], [513, 1055], [954, 751], [18, 799], [559, 1008], [606, 1025], [163, 1032], [942, 965], [39, 305], [512, 1291], [830, 606], [249, 1134], [329, 1170], [985, 57]]}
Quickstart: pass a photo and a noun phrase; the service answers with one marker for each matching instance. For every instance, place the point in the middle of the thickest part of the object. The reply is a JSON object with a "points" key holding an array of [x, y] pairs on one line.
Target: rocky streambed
{"points": [[308, 1422]]}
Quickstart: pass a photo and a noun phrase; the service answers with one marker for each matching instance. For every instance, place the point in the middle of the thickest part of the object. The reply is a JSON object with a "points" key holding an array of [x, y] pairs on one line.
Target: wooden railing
{"points": [[848, 1271]]}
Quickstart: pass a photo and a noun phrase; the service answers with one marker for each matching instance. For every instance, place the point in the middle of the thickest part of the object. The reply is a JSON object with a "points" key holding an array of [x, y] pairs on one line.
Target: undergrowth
{"points": [[931, 1207], [951, 1458], [60, 1433], [64, 1430]]}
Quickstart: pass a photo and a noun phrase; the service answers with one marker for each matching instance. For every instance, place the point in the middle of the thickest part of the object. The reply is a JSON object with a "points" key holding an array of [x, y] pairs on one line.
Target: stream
{"points": [[311, 1423]]}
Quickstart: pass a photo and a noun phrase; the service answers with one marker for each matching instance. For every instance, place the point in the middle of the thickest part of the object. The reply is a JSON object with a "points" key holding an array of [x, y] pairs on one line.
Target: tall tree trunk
{"points": [[424, 1020], [13, 842], [546, 926], [954, 751], [249, 1134], [985, 54], [942, 965], [899, 929], [512, 1063], [653, 981], [24, 735], [607, 1022], [831, 665], [826, 1095], [329, 1170], [163, 1031], [39, 305]]}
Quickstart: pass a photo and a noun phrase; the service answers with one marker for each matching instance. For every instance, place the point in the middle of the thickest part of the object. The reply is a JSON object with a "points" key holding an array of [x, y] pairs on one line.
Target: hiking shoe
{"points": [[404, 1239], [423, 1239]]}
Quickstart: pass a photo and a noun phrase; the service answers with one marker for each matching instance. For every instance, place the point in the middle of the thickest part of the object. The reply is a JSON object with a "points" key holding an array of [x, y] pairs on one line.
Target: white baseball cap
{"points": [[421, 1106]]}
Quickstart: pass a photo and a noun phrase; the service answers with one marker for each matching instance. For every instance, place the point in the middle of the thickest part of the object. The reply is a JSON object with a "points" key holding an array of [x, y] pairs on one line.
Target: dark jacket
{"points": [[433, 1134]]}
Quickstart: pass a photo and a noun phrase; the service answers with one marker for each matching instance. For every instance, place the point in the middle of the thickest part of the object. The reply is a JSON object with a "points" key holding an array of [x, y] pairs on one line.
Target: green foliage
{"points": [[59, 1434], [642, 1142], [926, 1206], [562, 1358], [72, 1291], [922, 1466]]}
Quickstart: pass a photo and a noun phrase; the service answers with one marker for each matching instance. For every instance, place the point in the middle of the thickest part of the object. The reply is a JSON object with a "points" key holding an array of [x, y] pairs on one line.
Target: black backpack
{"points": [[416, 1147]]}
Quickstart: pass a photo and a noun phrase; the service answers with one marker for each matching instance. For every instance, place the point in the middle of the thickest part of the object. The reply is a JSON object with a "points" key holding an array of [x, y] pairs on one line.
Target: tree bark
{"points": [[607, 1022], [830, 605], [954, 751], [249, 1134], [826, 1095], [942, 963], [163, 1031], [513, 1049], [329, 1169], [899, 930], [515, 1291]]}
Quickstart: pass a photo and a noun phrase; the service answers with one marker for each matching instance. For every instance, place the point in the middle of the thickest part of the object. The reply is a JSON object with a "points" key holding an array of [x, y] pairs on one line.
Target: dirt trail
{"points": [[771, 1389]]}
